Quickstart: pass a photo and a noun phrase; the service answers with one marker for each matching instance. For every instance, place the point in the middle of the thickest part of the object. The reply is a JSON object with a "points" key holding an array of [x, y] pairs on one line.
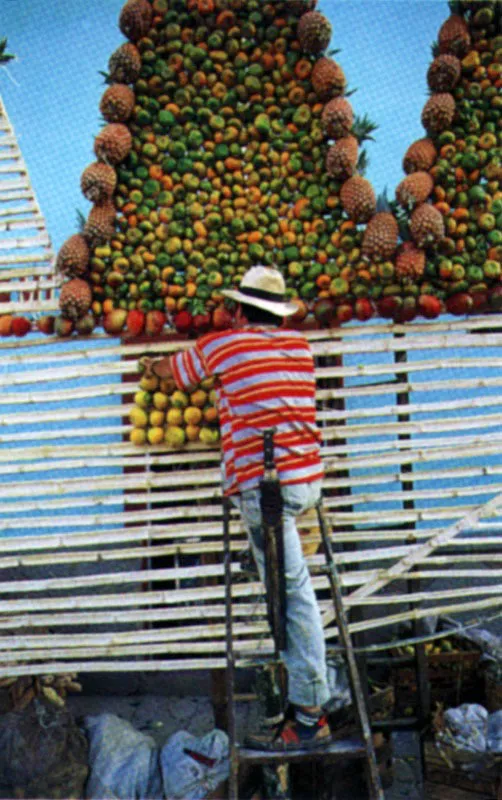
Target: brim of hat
{"points": [[279, 309]]}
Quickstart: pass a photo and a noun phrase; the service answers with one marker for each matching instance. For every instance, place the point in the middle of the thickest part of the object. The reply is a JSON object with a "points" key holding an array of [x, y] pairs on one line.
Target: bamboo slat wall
{"points": [[110, 554], [27, 281]]}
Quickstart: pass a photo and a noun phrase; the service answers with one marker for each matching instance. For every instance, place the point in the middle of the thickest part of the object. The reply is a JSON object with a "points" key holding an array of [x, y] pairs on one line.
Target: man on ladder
{"points": [[266, 381]]}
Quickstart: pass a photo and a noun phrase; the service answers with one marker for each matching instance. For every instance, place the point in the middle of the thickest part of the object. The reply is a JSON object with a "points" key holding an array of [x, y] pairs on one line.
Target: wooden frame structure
{"points": [[110, 554], [81, 532]]}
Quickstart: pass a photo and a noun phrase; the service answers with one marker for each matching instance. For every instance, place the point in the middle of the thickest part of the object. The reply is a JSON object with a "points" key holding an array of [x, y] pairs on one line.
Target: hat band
{"points": [[262, 294]]}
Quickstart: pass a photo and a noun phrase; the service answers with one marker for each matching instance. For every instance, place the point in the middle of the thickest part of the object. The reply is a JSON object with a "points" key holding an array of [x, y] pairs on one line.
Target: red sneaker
{"points": [[293, 735]]}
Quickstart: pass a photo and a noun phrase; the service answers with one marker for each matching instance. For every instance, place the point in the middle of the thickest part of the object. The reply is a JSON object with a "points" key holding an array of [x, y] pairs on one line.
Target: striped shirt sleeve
{"points": [[188, 368]]}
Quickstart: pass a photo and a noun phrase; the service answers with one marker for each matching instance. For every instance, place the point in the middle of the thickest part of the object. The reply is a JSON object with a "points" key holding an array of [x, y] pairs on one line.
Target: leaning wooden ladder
{"points": [[340, 750]]}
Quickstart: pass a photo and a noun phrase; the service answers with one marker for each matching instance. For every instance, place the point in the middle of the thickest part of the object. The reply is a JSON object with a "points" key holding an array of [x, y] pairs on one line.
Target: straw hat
{"points": [[263, 287]]}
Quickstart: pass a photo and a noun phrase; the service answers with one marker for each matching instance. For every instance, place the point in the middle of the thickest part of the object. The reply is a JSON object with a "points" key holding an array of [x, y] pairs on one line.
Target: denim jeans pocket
{"points": [[298, 497]]}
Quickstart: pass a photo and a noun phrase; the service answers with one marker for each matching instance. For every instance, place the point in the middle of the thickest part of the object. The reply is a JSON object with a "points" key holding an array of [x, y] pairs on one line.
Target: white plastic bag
{"points": [[494, 733], [191, 766], [123, 762]]}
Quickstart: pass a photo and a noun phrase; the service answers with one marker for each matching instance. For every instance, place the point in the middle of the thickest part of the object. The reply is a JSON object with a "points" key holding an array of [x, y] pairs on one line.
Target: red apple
{"points": [[46, 324], [154, 323], [459, 304], [364, 309], [114, 321], [183, 321], [222, 318], [21, 326], [429, 306], [344, 312], [135, 322]]}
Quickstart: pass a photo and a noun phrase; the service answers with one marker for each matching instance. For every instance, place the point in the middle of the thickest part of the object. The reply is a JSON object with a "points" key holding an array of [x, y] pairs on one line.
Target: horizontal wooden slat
{"points": [[69, 501]]}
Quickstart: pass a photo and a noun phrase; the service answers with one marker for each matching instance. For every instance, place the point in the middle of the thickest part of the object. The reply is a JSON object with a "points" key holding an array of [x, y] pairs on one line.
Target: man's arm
{"points": [[185, 369]]}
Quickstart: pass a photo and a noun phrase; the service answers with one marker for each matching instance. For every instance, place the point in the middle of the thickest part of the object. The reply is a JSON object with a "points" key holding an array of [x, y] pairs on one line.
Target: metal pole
{"points": [[374, 783], [229, 672]]}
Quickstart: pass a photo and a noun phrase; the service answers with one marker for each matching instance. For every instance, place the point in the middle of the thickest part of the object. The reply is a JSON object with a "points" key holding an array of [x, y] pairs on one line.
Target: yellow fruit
{"points": [[179, 399], [156, 418], [137, 436], [213, 397], [174, 416], [207, 383], [209, 435], [198, 398], [166, 385], [155, 435], [149, 384], [160, 400], [138, 417], [143, 399], [192, 433], [210, 414], [192, 415], [175, 436]]}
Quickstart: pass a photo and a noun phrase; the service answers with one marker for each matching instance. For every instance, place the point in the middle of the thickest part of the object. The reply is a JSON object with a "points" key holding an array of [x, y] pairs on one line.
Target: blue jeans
{"points": [[305, 656]]}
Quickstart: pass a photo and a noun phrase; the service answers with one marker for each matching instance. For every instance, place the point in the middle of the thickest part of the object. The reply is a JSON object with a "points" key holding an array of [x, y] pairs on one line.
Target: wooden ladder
{"points": [[357, 747]]}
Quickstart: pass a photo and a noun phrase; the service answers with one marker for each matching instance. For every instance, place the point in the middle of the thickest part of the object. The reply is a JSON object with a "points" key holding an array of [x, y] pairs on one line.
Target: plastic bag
{"points": [[124, 763], [494, 733], [465, 727], [191, 766]]}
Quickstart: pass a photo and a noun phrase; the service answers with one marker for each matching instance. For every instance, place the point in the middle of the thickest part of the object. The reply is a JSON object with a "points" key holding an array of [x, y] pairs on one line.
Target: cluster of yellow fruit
{"points": [[160, 416]]}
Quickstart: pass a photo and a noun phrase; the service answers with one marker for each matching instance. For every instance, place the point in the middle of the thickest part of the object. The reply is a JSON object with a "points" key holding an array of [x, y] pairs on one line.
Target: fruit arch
{"points": [[230, 139]]}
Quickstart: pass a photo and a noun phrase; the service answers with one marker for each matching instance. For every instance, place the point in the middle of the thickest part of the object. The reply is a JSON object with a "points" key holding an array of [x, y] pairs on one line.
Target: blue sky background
{"points": [[52, 92]]}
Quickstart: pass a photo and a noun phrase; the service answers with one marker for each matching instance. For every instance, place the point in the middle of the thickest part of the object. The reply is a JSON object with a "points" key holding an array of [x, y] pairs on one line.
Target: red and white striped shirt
{"points": [[265, 380]]}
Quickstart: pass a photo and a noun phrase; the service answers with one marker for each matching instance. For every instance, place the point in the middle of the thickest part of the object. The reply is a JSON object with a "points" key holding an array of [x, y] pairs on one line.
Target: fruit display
{"points": [[228, 138], [162, 416], [449, 205]]}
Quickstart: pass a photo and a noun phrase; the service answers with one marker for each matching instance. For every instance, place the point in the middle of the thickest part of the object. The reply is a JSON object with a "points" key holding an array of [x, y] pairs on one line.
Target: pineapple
{"points": [[414, 189], [75, 299], [113, 143], [117, 103], [410, 262], [124, 65], [100, 227], [444, 73], [438, 112], [314, 32], [421, 155], [98, 182], [380, 237], [73, 257], [135, 19], [426, 225], [341, 160], [454, 36], [328, 78], [337, 118], [358, 199]]}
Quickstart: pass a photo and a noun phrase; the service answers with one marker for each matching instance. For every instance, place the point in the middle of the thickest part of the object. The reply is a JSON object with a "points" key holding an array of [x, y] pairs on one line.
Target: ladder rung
{"points": [[339, 749]]}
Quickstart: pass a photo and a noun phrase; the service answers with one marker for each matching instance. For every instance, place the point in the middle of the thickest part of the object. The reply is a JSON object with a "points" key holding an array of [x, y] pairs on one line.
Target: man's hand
{"points": [[145, 365]]}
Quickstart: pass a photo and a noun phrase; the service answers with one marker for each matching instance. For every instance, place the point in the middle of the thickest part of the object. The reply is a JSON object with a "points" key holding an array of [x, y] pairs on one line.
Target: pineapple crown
{"points": [[4, 56], [400, 214], [362, 162], [81, 220], [362, 129]]}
